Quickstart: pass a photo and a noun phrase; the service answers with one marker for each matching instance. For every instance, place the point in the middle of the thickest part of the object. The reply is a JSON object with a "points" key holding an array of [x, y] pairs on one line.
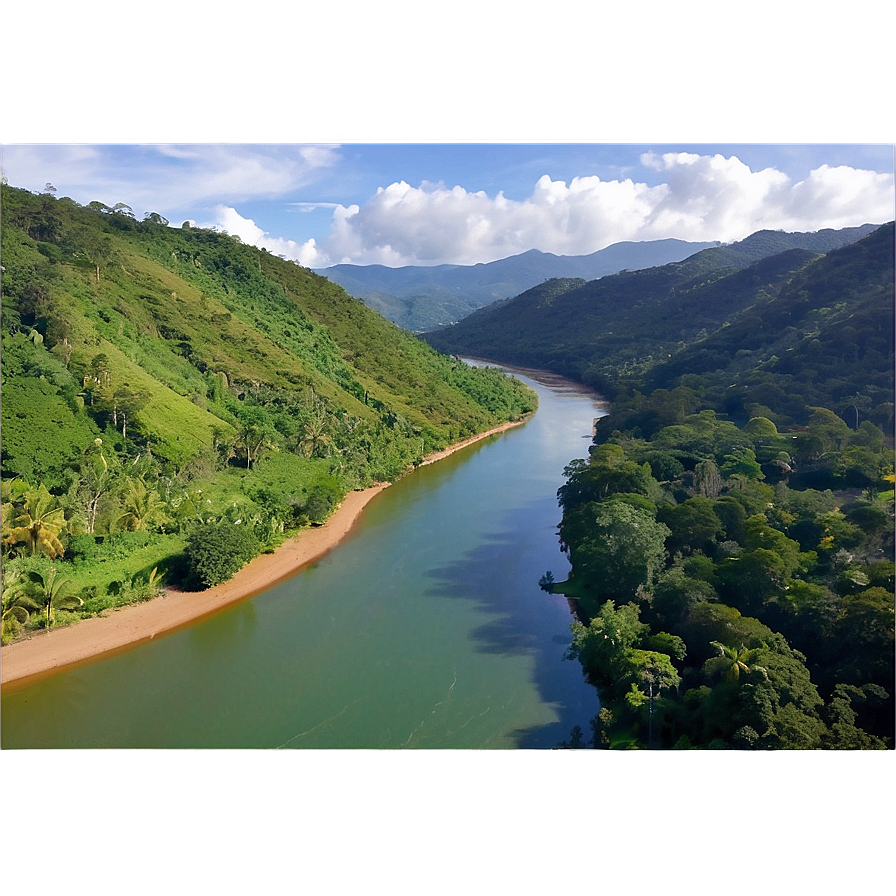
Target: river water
{"points": [[425, 628], [425, 633]]}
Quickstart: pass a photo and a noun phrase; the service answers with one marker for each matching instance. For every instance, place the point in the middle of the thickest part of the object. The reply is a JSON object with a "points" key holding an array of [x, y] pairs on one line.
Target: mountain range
{"points": [[420, 298], [730, 311]]}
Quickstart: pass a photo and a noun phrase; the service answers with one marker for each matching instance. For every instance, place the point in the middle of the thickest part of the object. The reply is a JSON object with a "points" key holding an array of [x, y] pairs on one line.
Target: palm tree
{"points": [[17, 605], [38, 523], [731, 661], [51, 592], [142, 506]]}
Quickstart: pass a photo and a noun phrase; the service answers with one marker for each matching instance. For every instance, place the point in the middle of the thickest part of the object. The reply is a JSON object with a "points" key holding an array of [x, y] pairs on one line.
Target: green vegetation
{"points": [[215, 551], [731, 533], [161, 382], [421, 298], [751, 313], [729, 598]]}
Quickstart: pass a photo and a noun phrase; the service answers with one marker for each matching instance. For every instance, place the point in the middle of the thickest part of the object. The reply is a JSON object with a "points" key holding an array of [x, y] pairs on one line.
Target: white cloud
{"points": [[688, 196], [700, 197], [432, 223], [249, 232], [841, 194], [173, 180]]}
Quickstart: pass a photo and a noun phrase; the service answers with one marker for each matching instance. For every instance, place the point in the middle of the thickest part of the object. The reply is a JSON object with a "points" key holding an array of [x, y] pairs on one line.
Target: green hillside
{"points": [[421, 298], [173, 360], [824, 338], [601, 330]]}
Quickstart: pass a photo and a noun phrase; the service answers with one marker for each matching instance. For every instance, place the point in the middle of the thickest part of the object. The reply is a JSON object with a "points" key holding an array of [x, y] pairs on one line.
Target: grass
{"points": [[118, 561]]}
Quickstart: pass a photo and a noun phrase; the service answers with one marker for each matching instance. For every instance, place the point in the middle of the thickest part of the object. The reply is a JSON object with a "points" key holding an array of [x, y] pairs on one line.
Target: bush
{"points": [[215, 551]]}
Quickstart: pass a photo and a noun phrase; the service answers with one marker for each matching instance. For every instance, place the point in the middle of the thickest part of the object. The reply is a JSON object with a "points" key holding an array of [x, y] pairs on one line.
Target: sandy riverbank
{"points": [[131, 625]]}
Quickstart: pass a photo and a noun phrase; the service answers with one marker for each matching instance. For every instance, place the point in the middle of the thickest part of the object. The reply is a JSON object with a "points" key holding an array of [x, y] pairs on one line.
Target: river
{"points": [[426, 628], [424, 632]]}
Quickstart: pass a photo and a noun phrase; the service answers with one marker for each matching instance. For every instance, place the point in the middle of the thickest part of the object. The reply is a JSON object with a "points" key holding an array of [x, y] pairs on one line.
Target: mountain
{"points": [[602, 331], [156, 379], [826, 338], [175, 311], [420, 298]]}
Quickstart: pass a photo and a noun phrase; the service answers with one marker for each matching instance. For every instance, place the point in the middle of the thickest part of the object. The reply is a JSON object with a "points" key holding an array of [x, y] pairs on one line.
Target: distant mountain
{"points": [[422, 298], [601, 330]]}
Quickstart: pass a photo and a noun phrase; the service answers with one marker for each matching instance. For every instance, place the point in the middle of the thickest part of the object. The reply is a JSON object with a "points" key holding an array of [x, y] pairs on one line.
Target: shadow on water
{"points": [[501, 577]]}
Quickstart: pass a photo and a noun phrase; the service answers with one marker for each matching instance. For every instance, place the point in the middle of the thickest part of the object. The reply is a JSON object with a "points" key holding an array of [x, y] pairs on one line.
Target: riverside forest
{"points": [[731, 531], [175, 402]]}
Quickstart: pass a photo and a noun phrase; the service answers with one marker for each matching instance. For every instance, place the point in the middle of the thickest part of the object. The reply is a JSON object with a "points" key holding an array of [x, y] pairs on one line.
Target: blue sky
{"points": [[394, 204]]}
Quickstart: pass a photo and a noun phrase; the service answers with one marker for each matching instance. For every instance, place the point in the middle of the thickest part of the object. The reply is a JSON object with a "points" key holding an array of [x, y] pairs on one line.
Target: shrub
{"points": [[215, 551]]}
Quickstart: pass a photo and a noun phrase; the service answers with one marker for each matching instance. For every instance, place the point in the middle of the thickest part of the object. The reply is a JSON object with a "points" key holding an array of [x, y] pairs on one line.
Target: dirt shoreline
{"points": [[46, 652]]}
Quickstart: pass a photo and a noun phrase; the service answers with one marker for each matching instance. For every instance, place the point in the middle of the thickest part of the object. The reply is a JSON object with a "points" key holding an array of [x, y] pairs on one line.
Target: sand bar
{"points": [[44, 652]]}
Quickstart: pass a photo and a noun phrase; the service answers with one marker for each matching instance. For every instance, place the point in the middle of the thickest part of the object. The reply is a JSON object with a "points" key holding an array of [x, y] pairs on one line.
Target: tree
{"points": [[671, 645], [731, 662], [606, 472], [142, 506], [843, 732], [601, 645], [653, 670], [127, 402], [97, 478], [52, 592], [95, 246], [17, 604], [98, 381], [621, 552], [733, 517], [215, 551], [742, 463], [37, 523], [255, 431], [707, 479], [676, 593], [863, 649], [693, 524], [707, 622], [832, 433], [316, 428], [752, 578], [762, 431], [782, 704]]}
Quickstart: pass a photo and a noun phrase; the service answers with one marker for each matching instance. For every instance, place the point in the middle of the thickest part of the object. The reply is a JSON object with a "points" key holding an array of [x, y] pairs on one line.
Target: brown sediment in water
{"points": [[49, 651]]}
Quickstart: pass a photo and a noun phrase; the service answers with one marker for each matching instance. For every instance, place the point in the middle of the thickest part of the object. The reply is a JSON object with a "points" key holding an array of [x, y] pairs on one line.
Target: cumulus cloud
{"points": [[699, 197], [432, 223], [685, 195], [249, 232]]}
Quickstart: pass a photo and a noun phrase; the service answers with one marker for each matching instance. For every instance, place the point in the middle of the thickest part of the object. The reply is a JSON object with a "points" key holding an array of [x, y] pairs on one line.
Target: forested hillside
{"points": [[175, 401], [731, 531], [599, 330]]}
